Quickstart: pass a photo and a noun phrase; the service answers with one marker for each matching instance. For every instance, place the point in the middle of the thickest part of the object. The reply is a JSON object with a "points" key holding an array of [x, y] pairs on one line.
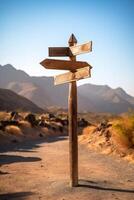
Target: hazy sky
{"points": [[28, 27]]}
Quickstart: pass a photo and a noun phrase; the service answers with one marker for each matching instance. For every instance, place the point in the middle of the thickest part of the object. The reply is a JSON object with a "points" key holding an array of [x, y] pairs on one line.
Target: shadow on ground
{"points": [[3, 173], [29, 145], [8, 159], [96, 186], [16, 195]]}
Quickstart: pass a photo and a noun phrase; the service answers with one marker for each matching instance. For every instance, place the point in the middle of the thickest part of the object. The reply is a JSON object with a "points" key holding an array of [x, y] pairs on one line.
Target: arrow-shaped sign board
{"points": [[70, 76], [79, 49], [63, 64], [59, 51], [70, 51]]}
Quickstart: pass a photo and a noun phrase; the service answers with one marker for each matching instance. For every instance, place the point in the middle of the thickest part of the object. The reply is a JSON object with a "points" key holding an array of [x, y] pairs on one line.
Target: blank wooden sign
{"points": [[63, 64], [70, 76], [59, 51], [80, 49]]}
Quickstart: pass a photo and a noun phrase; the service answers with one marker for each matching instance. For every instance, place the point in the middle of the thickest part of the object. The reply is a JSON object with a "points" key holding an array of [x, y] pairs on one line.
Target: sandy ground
{"points": [[39, 170]]}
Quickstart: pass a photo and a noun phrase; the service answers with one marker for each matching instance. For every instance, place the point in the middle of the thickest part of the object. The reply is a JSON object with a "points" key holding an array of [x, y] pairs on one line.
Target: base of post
{"points": [[74, 184]]}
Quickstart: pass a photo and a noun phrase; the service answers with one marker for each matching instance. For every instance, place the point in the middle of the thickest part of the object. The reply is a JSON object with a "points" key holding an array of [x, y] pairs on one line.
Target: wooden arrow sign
{"points": [[70, 51], [69, 77], [59, 51], [79, 49], [63, 64]]}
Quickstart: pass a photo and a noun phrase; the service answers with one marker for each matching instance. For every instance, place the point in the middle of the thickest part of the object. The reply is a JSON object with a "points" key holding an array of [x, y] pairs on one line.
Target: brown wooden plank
{"points": [[63, 64], [59, 51], [80, 49], [70, 76]]}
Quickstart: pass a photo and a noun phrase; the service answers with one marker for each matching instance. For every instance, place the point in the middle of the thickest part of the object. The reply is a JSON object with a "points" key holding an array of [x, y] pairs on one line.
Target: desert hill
{"points": [[10, 101], [106, 99], [41, 91]]}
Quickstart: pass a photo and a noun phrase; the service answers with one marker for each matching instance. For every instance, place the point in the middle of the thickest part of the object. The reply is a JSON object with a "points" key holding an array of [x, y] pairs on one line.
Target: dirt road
{"points": [[40, 171]]}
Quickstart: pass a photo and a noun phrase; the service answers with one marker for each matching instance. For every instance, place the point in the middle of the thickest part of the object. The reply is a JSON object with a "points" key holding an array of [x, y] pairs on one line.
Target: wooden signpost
{"points": [[77, 70]]}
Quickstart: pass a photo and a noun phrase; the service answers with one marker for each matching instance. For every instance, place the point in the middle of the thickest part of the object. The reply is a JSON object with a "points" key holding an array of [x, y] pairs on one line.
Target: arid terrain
{"points": [[34, 157], [40, 170], [66, 100]]}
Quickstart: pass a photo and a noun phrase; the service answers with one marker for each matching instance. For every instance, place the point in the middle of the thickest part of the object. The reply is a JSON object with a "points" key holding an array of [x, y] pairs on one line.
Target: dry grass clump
{"points": [[88, 130], [46, 131], [86, 133], [123, 130], [14, 130], [24, 124], [4, 116], [116, 137]]}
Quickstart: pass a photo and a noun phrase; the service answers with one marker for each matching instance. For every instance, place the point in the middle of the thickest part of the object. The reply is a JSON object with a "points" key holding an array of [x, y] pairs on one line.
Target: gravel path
{"points": [[39, 170]]}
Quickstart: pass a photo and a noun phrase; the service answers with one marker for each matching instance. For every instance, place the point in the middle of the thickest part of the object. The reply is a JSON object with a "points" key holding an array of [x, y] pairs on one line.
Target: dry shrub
{"points": [[25, 124], [46, 131], [123, 130], [14, 130], [120, 137], [50, 132], [88, 130], [4, 138], [4, 115]]}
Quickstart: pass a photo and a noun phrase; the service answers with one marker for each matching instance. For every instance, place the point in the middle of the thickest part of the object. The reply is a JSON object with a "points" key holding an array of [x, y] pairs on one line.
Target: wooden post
{"points": [[72, 113]]}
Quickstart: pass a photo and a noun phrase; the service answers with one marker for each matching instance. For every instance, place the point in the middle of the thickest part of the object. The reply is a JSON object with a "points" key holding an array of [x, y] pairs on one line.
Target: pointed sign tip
{"points": [[72, 39]]}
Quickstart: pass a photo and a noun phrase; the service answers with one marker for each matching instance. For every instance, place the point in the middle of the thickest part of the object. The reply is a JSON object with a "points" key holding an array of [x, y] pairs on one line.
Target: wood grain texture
{"points": [[80, 49], [59, 51], [71, 65], [70, 76]]}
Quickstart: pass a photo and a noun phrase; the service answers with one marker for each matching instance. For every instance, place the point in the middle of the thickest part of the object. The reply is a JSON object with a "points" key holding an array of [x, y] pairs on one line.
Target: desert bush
{"points": [[31, 118], [88, 130], [124, 130], [24, 124], [14, 130], [4, 115]]}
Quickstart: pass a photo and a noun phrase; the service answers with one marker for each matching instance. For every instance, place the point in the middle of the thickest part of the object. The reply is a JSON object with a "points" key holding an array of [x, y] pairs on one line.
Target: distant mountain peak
{"points": [[8, 66], [10, 101], [10, 73], [119, 90], [106, 86]]}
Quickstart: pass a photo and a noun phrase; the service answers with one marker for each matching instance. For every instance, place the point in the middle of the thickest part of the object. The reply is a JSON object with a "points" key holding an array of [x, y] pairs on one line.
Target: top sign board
{"points": [[70, 51], [80, 49], [59, 51]]}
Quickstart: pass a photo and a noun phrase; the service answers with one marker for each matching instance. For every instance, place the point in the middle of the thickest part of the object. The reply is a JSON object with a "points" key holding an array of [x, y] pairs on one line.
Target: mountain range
{"points": [[42, 92], [10, 101]]}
